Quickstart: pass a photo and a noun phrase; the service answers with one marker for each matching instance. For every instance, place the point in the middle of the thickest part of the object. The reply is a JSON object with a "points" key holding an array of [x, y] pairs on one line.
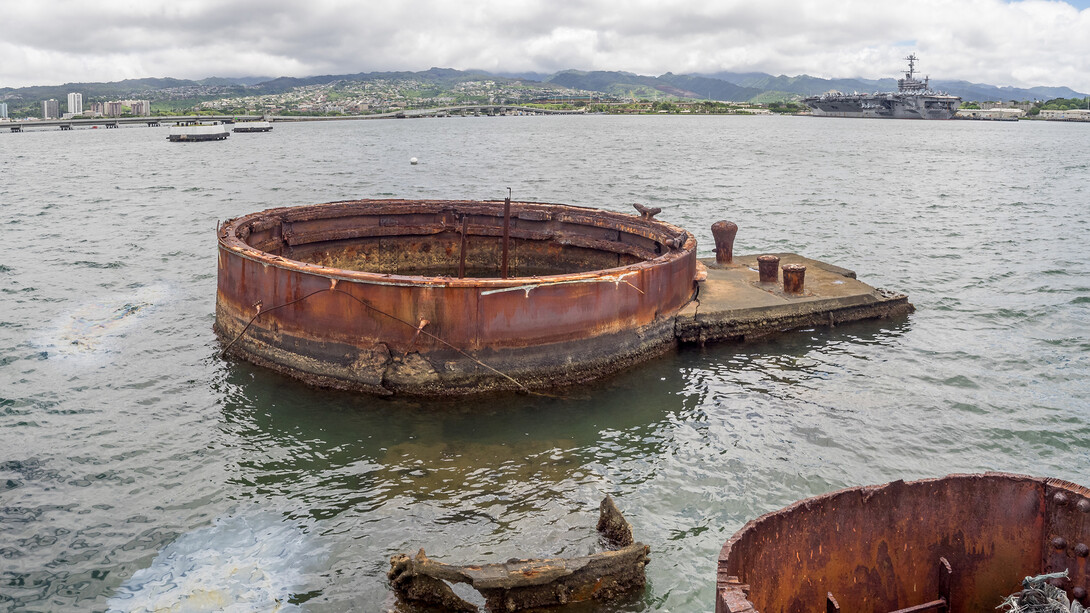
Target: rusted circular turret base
{"points": [[367, 294]]}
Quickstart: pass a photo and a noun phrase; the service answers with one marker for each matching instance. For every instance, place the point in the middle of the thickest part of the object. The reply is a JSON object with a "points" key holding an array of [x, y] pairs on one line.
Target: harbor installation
{"points": [[446, 297]]}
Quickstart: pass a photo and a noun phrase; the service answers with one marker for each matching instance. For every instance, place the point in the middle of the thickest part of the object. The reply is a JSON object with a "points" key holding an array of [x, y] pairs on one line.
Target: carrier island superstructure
{"points": [[914, 99]]}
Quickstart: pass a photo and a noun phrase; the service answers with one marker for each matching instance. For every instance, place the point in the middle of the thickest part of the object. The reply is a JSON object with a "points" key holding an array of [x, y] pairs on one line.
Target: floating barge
{"points": [[444, 297], [960, 543], [252, 126], [197, 132]]}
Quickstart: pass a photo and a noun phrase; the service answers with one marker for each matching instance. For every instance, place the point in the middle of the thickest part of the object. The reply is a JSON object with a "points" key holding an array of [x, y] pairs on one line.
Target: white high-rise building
{"points": [[3, 110], [75, 103]]}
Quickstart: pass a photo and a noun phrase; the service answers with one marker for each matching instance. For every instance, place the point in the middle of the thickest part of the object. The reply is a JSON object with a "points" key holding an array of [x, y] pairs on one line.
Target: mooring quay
{"points": [[443, 297], [732, 304]]}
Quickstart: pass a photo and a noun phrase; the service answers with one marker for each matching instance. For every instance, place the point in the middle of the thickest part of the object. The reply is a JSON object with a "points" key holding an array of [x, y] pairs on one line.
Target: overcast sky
{"points": [[1022, 43]]}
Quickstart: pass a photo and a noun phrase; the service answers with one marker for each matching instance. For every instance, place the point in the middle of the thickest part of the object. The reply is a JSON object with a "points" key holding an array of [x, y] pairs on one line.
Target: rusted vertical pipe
{"points": [[462, 249], [506, 232], [724, 232], [769, 268], [794, 276]]}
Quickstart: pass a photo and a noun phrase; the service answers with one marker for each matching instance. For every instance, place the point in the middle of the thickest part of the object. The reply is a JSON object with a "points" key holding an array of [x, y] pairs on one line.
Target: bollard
{"points": [[794, 276], [769, 268], [724, 233]]}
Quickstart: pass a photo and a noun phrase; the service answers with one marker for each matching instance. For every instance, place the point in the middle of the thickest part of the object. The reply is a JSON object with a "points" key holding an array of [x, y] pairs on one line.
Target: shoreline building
{"points": [[139, 108], [75, 103], [1068, 115], [116, 108], [994, 113], [3, 110], [51, 109]]}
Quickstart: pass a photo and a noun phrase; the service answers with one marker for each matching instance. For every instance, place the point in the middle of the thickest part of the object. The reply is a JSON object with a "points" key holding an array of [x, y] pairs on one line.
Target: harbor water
{"points": [[141, 470]]}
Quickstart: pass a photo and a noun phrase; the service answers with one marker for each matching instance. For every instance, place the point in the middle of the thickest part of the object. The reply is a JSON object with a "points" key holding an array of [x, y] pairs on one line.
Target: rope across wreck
{"points": [[419, 330], [531, 283], [528, 288]]}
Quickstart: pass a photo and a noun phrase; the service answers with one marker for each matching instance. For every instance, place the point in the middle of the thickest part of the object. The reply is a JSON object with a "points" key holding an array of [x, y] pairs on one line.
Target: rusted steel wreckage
{"points": [[962, 543], [520, 584], [958, 544], [443, 297]]}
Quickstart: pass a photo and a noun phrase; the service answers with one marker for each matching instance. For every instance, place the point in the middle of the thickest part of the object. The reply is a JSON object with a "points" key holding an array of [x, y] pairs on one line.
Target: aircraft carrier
{"points": [[914, 99]]}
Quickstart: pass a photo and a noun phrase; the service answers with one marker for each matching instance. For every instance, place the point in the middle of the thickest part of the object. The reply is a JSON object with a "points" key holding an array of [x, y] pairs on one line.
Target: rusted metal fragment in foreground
{"points": [[525, 584], [960, 543], [366, 294]]}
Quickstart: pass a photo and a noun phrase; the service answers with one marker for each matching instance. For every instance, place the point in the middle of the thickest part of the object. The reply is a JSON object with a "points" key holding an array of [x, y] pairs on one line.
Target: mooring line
{"points": [[419, 330], [260, 312], [532, 286], [440, 340]]}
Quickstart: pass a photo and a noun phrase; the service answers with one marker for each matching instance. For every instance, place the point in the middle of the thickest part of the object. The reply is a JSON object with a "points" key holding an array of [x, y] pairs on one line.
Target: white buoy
{"points": [[412, 161]]}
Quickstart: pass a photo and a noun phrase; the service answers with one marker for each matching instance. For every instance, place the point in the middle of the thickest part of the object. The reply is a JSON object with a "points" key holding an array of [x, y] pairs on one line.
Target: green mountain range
{"points": [[722, 86]]}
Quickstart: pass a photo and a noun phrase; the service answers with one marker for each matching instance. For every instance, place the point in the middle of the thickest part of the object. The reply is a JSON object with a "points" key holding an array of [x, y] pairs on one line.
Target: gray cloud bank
{"points": [[1022, 44]]}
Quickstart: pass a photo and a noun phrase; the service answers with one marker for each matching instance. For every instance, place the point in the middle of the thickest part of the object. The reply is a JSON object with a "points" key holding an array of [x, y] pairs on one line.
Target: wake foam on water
{"points": [[238, 564]]}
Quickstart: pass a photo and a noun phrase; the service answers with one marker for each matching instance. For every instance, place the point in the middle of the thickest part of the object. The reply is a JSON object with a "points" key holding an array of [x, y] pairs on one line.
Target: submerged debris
{"points": [[519, 584], [612, 526], [1040, 596]]}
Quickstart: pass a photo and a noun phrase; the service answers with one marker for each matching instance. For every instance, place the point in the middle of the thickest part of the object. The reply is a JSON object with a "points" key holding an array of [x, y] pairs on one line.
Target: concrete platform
{"points": [[732, 305]]}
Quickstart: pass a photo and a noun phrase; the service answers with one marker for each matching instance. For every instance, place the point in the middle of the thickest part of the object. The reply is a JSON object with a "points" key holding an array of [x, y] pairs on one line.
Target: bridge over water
{"points": [[446, 111]]}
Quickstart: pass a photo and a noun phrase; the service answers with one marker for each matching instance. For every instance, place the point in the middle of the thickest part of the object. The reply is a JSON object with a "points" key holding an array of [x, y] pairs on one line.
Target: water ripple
{"points": [[138, 442]]}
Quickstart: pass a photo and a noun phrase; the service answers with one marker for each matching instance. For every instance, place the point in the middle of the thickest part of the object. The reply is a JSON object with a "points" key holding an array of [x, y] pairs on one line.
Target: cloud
{"points": [[1026, 43]]}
